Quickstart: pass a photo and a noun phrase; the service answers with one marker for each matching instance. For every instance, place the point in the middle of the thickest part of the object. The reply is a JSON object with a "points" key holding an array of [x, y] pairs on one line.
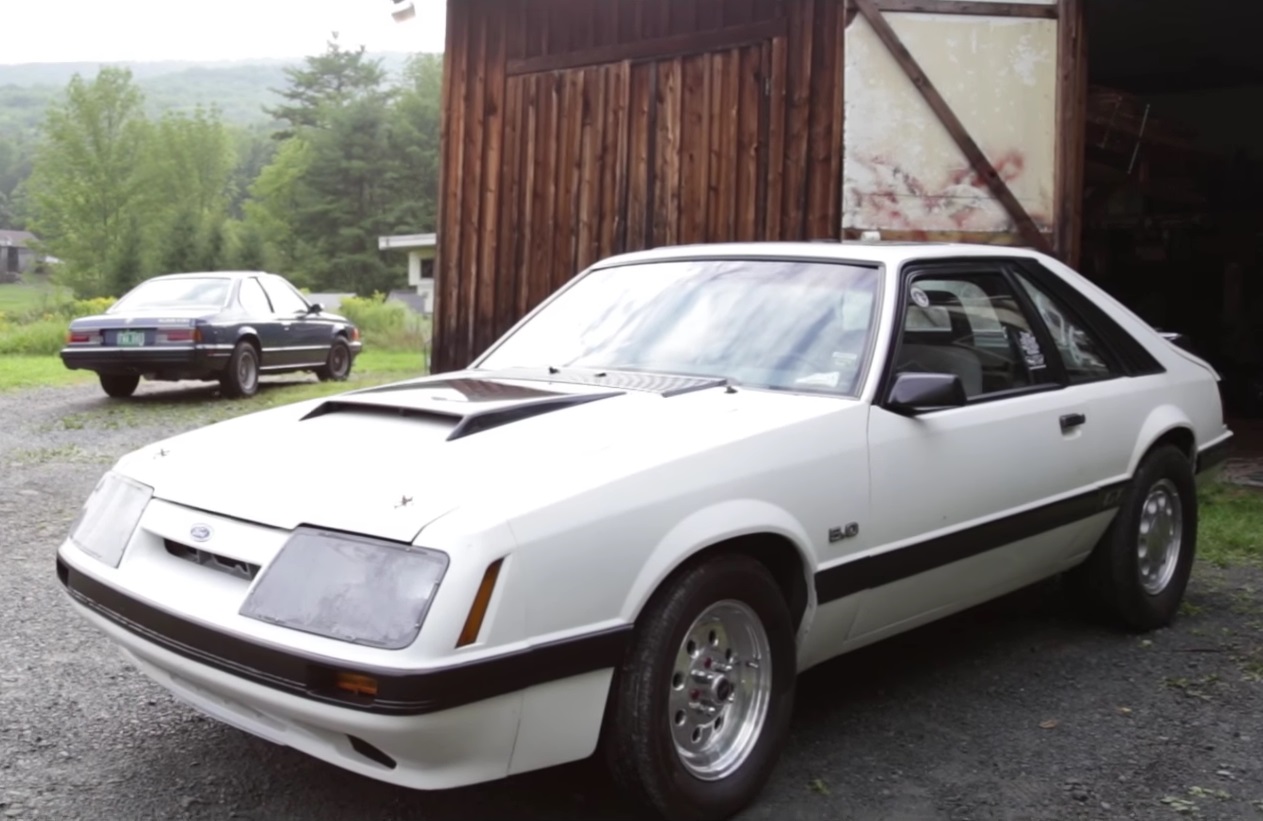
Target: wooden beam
{"points": [[658, 48], [1047, 11], [1072, 104], [982, 166]]}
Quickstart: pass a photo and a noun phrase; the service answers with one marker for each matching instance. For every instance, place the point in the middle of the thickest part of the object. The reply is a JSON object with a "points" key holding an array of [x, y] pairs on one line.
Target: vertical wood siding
{"points": [[576, 129]]}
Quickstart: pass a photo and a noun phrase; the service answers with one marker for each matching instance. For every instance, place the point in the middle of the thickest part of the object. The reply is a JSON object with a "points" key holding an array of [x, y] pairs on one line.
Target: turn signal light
{"points": [[355, 683], [473, 622]]}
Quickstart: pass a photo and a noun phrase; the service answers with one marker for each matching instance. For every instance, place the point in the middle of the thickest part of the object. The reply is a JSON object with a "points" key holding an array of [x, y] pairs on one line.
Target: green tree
{"points": [[178, 250], [254, 148], [324, 84], [126, 268], [352, 189], [193, 162], [212, 251], [87, 180], [416, 138], [248, 251], [8, 214], [272, 210]]}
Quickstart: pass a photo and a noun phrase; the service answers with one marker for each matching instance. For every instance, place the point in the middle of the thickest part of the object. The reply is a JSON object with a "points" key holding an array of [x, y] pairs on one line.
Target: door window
{"points": [[253, 300], [1082, 354], [285, 300], [971, 325]]}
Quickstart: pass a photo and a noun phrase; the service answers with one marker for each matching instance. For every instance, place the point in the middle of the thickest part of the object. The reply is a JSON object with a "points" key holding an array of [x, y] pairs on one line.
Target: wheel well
{"points": [[779, 555], [1181, 438], [252, 339]]}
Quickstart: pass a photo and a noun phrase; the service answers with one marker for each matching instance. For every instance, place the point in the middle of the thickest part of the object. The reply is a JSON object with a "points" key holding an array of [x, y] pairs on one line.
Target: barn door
{"points": [[567, 161], [698, 140]]}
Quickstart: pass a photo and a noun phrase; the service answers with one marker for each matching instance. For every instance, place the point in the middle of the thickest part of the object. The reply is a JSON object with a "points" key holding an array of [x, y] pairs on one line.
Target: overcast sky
{"points": [[55, 31]]}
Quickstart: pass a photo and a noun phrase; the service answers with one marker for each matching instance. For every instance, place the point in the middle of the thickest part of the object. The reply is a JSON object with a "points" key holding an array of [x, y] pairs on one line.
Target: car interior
{"points": [[975, 342]]}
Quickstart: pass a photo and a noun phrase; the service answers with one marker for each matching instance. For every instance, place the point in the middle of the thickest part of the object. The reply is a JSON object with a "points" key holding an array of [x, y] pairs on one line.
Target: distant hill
{"points": [[240, 88]]}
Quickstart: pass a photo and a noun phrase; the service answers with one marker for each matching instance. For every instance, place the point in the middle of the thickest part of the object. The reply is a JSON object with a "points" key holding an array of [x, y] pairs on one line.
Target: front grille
{"points": [[224, 564]]}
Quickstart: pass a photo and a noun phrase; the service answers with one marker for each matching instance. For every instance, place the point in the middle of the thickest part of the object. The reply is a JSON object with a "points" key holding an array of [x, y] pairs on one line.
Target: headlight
{"points": [[349, 588], [109, 517]]}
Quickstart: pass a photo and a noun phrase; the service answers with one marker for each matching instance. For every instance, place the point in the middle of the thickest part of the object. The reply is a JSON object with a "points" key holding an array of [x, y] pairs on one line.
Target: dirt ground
{"points": [[1022, 709]]}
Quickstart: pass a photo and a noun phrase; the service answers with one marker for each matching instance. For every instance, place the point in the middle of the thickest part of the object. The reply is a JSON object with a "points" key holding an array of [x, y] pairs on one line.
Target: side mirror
{"points": [[315, 308], [915, 393]]}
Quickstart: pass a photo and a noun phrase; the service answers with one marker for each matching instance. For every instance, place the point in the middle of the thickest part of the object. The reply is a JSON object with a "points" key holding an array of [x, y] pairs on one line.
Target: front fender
{"points": [[708, 527]]}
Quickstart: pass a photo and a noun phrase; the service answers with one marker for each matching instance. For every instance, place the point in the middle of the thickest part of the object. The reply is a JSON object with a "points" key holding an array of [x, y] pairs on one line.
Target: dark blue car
{"points": [[225, 326]]}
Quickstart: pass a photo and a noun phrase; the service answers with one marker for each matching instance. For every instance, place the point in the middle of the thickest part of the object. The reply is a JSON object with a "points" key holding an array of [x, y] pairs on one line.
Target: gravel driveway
{"points": [[1018, 710]]}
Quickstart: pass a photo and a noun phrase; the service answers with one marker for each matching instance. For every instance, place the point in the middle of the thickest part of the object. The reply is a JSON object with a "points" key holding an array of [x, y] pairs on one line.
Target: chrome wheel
{"points": [[1158, 542], [720, 690]]}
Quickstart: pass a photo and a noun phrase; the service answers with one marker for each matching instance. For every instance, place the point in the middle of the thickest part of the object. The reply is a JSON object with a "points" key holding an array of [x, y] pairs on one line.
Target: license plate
{"points": [[131, 338]]}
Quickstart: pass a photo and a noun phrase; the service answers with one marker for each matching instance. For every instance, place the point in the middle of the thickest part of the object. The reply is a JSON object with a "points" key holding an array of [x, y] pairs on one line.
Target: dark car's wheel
{"points": [[701, 705], [119, 386], [338, 365], [241, 377], [1140, 569]]}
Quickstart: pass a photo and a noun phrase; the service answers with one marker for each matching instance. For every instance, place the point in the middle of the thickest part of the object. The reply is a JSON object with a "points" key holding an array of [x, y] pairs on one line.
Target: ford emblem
{"points": [[200, 533]]}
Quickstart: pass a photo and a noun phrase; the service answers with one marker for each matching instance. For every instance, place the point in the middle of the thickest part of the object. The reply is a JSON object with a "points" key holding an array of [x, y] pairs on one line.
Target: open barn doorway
{"points": [[1173, 193]]}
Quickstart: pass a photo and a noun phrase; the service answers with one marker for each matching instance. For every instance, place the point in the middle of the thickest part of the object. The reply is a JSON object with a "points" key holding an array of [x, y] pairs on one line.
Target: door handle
{"points": [[1072, 420]]}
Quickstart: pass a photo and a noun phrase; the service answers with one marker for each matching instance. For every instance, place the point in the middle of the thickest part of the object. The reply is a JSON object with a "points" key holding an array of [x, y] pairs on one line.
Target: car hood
{"points": [[388, 461]]}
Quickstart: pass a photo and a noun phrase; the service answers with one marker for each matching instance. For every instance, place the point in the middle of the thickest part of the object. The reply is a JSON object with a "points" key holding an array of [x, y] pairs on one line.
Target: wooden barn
{"points": [[575, 129]]}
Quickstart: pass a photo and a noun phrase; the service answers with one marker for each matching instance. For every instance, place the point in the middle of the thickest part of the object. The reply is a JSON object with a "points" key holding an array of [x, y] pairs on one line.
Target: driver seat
{"points": [[933, 351]]}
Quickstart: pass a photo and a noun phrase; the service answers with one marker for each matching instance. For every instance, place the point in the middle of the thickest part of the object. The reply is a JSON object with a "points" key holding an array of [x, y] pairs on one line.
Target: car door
{"points": [[306, 336], [260, 316], [970, 502]]}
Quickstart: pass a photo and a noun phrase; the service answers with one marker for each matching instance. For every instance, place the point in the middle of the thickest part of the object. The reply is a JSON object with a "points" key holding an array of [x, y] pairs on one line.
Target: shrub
{"points": [[42, 329], [44, 336], [389, 325]]}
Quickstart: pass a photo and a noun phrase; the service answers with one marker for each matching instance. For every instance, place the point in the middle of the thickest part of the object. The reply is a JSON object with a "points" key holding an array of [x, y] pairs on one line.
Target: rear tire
{"points": [[713, 651], [1138, 572], [119, 386], [338, 366], [241, 378]]}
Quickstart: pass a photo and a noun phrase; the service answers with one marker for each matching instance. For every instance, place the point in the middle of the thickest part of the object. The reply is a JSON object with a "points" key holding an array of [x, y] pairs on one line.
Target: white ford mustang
{"points": [[685, 478]]}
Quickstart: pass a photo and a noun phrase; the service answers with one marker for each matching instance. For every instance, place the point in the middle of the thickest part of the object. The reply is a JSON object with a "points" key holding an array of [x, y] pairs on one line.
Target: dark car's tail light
{"points": [[179, 335], [83, 337]]}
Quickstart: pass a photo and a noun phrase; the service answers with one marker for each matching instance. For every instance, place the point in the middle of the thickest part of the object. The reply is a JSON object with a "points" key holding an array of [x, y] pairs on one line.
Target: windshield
{"points": [[779, 324], [209, 292]]}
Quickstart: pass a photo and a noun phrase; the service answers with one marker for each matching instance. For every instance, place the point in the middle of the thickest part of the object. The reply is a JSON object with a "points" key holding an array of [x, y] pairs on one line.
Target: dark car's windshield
{"points": [[195, 292], [772, 323]]}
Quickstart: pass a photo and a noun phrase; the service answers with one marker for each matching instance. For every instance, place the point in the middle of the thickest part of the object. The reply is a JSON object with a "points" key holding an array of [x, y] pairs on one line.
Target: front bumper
{"points": [[175, 362], [452, 748], [437, 728]]}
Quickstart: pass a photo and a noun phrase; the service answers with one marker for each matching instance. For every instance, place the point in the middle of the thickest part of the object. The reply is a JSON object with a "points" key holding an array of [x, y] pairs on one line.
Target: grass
{"points": [[18, 372], [1230, 525], [22, 297]]}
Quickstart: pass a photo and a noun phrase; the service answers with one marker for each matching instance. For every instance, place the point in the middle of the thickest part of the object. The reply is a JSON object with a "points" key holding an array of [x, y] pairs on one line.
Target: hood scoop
{"points": [[469, 405]]}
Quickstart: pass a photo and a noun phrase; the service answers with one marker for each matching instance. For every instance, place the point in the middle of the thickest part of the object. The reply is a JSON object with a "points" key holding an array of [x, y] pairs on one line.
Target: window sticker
{"points": [[920, 298], [1030, 351]]}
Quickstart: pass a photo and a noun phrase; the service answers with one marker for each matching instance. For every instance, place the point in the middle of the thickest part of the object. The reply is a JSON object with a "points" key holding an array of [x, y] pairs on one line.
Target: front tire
{"points": [[701, 705], [1140, 569], [241, 378], [118, 386], [338, 366]]}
